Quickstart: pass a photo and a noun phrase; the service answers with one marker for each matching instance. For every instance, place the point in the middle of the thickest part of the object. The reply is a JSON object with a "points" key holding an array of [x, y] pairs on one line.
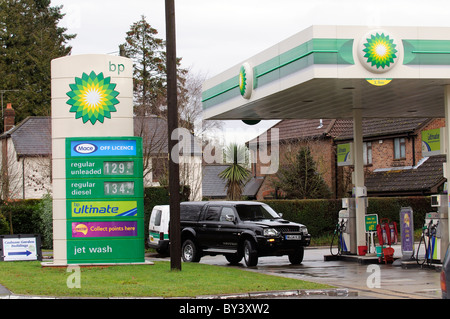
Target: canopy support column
{"points": [[358, 175], [447, 141]]}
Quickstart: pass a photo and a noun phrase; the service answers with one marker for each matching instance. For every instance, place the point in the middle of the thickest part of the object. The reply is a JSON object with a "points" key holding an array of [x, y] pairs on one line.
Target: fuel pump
{"points": [[345, 231], [435, 231], [341, 228], [428, 238]]}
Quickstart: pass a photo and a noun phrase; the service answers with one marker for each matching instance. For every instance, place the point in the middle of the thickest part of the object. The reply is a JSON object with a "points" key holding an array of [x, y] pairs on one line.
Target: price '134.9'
{"points": [[119, 188]]}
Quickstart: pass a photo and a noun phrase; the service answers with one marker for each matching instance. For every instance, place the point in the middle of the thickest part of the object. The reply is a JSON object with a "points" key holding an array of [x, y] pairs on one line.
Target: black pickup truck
{"points": [[239, 230]]}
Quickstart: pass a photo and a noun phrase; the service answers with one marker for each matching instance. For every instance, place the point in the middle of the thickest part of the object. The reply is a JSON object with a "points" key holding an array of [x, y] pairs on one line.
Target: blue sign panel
{"points": [[103, 148], [407, 232]]}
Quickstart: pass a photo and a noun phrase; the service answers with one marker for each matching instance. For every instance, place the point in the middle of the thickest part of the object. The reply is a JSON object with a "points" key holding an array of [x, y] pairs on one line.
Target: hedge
{"points": [[390, 208], [25, 216], [320, 215]]}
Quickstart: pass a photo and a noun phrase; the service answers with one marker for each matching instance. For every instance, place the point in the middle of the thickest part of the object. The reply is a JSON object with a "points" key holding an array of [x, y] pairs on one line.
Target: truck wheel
{"points": [[297, 257], [250, 254], [189, 251], [233, 259]]}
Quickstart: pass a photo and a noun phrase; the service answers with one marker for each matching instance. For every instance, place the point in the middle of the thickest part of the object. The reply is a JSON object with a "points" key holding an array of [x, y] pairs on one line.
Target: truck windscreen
{"points": [[254, 212]]}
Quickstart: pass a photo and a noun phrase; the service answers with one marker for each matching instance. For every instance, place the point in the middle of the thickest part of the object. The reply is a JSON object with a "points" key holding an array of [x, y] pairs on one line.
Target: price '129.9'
{"points": [[118, 168]]}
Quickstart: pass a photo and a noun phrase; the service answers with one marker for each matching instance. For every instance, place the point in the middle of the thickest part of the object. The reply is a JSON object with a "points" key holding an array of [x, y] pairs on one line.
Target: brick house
{"points": [[393, 159], [292, 135]]}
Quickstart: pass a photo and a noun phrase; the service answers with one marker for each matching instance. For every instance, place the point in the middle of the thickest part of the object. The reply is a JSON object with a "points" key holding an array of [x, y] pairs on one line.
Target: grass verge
{"points": [[157, 280]]}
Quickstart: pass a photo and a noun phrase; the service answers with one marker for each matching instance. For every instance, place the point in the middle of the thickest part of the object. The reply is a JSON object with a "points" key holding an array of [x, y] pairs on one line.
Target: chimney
{"points": [[9, 117]]}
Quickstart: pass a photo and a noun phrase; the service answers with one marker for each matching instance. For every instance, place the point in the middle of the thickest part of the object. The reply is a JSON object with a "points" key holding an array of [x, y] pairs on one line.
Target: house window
{"points": [[367, 157], [399, 148]]}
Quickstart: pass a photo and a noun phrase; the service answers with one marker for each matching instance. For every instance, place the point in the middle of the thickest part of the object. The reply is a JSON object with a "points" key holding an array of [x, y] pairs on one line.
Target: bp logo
{"points": [[379, 51], [92, 97], [246, 80]]}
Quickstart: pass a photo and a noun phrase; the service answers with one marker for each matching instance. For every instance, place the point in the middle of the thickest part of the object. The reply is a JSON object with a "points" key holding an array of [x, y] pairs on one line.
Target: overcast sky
{"points": [[214, 35]]}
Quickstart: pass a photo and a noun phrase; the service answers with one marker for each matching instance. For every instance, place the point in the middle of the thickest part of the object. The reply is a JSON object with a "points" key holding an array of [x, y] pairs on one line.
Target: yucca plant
{"points": [[236, 175]]}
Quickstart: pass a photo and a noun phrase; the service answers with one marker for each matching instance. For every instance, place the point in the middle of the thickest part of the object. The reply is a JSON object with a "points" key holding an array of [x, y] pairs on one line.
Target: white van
{"points": [[158, 230], [158, 227]]}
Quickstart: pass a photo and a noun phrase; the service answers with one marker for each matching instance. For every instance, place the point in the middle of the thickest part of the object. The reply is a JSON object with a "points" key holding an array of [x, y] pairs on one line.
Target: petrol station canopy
{"points": [[328, 71]]}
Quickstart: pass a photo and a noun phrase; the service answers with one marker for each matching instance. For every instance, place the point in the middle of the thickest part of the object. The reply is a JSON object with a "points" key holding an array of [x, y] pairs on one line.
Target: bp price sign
{"points": [[104, 200]]}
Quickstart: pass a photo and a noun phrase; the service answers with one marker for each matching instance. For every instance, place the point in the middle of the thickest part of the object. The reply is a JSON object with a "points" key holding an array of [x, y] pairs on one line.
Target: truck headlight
{"points": [[304, 230], [270, 232]]}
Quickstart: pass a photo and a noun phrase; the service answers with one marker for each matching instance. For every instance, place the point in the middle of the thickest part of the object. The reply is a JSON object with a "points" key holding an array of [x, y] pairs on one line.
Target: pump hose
{"points": [[428, 254], [431, 237], [338, 233], [418, 248]]}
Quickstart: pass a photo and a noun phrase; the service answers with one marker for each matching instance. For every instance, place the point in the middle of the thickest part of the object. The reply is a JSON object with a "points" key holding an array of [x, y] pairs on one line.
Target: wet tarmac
{"points": [[354, 278], [367, 278]]}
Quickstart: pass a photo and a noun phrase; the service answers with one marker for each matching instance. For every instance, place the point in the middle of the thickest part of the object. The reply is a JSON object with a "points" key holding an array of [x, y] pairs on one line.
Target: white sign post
{"points": [[92, 96]]}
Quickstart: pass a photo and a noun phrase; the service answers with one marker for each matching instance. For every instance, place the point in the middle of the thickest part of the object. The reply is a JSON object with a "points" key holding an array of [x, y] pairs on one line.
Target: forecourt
{"points": [[351, 72]]}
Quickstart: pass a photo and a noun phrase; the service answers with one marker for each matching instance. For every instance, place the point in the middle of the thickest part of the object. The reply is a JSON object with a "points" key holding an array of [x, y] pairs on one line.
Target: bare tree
{"points": [[153, 131], [190, 106], [11, 174]]}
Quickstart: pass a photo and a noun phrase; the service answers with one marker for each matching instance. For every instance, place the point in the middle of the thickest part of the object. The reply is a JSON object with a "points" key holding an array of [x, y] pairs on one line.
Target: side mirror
{"points": [[229, 218], [280, 214]]}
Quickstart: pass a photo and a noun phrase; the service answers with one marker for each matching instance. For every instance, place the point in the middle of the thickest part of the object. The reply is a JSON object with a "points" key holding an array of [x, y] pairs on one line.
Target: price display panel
{"points": [[121, 168], [99, 167], [118, 188], [102, 188], [104, 200]]}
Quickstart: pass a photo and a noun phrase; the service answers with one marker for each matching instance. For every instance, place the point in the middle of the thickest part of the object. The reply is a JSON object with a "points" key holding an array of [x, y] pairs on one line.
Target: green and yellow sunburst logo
{"points": [[92, 97], [246, 80], [242, 80], [380, 51]]}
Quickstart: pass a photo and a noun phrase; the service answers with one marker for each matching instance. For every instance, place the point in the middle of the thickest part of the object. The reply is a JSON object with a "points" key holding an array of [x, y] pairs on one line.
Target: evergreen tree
{"points": [[299, 177], [235, 175], [29, 39], [149, 76]]}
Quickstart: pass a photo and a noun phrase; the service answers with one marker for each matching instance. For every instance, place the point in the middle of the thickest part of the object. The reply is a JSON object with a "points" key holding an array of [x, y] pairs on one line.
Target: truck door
{"points": [[208, 227], [227, 232]]}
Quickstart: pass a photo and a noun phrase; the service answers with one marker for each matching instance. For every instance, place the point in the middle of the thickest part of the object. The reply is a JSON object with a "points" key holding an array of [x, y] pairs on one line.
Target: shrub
{"points": [[45, 209], [4, 226], [389, 207], [320, 215], [24, 215]]}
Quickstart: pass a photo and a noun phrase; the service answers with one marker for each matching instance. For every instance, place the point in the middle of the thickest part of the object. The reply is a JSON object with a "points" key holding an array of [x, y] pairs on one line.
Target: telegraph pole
{"points": [[172, 121]]}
